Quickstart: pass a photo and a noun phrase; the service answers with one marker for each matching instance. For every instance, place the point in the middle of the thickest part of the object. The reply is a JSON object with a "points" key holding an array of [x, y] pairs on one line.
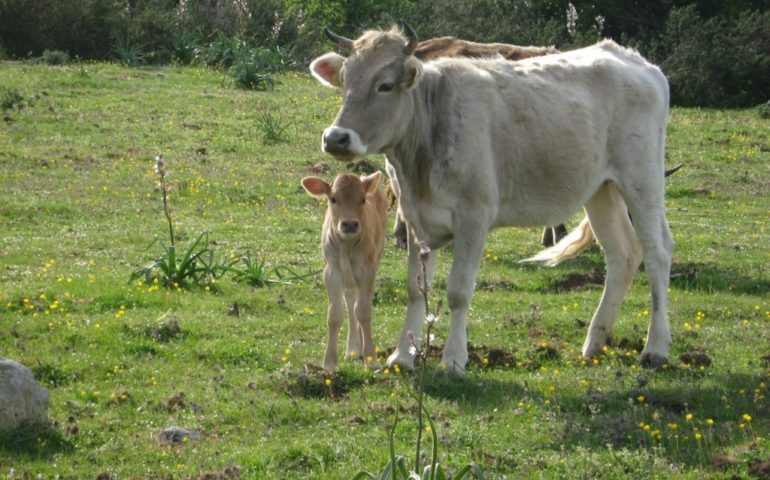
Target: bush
{"points": [[54, 57], [717, 62]]}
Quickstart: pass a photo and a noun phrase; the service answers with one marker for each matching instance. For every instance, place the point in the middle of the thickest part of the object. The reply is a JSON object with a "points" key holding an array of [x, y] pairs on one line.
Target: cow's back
{"points": [[454, 47], [549, 124]]}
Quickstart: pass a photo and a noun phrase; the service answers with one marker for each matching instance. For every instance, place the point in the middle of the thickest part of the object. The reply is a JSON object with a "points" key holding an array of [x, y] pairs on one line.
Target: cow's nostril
{"points": [[344, 140]]}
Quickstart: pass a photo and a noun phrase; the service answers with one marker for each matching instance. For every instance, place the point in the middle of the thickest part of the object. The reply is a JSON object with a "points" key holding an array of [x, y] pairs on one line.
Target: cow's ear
{"points": [[371, 182], [326, 69], [412, 72], [316, 186]]}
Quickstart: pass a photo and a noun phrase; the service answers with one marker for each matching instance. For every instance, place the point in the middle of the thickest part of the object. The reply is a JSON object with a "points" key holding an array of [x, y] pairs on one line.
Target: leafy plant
{"points": [[196, 266], [129, 54], [396, 468], [182, 50], [256, 274], [273, 129], [221, 53]]}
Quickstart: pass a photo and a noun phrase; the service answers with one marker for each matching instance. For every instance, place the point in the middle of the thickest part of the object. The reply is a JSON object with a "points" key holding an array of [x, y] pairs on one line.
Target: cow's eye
{"points": [[363, 201], [333, 199], [385, 87]]}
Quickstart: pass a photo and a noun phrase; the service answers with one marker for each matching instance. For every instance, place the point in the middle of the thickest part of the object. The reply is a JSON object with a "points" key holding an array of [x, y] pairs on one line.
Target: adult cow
{"points": [[480, 144], [439, 47]]}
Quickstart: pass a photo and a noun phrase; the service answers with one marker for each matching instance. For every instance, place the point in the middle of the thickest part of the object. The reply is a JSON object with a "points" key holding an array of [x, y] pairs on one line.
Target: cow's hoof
{"points": [[452, 366], [653, 360], [593, 348], [405, 362]]}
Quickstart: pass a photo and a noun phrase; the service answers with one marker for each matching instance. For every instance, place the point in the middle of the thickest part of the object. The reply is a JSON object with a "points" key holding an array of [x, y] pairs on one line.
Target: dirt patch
{"points": [[488, 357], [232, 472], [577, 281], [760, 469], [722, 462], [315, 382], [695, 359]]}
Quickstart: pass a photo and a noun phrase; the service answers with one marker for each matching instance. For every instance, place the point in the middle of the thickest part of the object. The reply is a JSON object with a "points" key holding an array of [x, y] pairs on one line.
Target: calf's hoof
{"points": [[404, 361], [330, 367], [372, 365]]}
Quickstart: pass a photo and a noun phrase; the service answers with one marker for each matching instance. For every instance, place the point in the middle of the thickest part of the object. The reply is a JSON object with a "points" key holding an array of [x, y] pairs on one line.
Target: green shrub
{"points": [[12, 100], [717, 62], [54, 57]]}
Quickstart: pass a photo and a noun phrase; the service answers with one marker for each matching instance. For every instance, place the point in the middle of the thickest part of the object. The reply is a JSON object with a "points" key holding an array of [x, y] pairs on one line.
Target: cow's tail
{"points": [[579, 239]]}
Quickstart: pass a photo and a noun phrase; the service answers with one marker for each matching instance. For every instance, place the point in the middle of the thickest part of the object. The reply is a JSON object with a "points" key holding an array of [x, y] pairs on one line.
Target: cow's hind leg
{"points": [[609, 220], [647, 210]]}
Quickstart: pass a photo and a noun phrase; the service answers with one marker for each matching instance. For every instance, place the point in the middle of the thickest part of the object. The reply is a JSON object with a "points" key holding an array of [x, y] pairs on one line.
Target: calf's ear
{"points": [[316, 187], [412, 72], [326, 69], [371, 181]]}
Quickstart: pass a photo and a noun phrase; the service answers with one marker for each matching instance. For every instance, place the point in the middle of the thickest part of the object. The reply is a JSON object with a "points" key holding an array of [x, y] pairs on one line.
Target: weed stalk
{"points": [[161, 171]]}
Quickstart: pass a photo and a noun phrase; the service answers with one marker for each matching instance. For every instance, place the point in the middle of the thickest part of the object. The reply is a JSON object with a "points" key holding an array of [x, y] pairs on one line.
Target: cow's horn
{"points": [[343, 42], [411, 43]]}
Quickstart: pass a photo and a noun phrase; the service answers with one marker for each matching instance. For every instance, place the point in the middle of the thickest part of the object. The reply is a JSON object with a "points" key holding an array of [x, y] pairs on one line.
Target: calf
{"points": [[352, 242]]}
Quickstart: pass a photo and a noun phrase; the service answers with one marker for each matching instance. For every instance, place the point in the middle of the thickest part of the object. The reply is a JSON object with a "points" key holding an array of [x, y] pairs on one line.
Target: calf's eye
{"points": [[385, 87], [333, 199]]}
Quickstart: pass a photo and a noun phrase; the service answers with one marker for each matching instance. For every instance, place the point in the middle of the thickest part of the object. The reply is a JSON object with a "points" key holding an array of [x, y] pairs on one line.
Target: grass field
{"points": [[80, 207]]}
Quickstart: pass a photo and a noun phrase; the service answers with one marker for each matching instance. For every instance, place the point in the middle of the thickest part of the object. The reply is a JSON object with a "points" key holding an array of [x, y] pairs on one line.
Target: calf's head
{"points": [[376, 79], [347, 197]]}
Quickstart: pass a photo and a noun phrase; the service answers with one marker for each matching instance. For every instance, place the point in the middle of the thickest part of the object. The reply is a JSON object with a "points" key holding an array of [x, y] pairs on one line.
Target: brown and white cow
{"points": [[481, 144], [352, 242]]}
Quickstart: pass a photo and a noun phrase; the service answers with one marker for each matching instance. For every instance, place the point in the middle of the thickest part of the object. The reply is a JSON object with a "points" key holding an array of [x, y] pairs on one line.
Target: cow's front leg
{"points": [[468, 250], [415, 311], [334, 318]]}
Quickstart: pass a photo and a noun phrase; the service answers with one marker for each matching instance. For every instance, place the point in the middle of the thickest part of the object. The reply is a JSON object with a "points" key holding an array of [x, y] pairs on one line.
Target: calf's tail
{"points": [[579, 239]]}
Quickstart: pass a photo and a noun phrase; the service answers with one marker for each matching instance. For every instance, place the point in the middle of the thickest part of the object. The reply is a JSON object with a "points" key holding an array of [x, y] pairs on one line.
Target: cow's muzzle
{"points": [[342, 143], [349, 227]]}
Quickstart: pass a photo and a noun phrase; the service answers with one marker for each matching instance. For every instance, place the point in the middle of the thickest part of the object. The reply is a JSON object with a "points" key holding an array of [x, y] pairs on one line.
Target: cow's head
{"points": [[376, 79], [347, 198]]}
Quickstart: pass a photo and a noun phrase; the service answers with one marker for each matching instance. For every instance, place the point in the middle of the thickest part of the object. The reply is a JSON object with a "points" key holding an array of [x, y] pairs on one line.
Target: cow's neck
{"points": [[414, 155]]}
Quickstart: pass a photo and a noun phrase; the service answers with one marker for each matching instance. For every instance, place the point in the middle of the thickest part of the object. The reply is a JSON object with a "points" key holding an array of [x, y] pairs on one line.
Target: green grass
{"points": [[79, 205]]}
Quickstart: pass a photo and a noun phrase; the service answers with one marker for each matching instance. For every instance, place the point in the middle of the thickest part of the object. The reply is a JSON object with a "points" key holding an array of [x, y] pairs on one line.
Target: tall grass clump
{"points": [[396, 468], [273, 129]]}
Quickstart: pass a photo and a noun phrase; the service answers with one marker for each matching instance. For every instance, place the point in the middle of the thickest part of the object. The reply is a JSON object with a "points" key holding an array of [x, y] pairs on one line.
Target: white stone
{"points": [[22, 399]]}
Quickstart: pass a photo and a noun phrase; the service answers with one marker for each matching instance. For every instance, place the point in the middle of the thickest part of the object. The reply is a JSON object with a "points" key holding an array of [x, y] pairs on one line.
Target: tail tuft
{"points": [[579, 239]]}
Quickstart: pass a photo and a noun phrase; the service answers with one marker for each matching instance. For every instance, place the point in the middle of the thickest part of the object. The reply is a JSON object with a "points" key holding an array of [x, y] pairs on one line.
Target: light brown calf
{"points": [[352, 242]]}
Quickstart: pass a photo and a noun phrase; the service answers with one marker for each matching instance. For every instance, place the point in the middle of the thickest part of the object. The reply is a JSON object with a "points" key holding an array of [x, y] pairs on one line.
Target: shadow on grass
{"points": [[681, 403], [711, 278], [34, 441]]}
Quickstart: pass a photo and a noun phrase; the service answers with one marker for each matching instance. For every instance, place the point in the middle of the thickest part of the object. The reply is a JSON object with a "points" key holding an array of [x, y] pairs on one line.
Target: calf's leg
{"points": [[355, 342], [363, 312], [334, 318]]}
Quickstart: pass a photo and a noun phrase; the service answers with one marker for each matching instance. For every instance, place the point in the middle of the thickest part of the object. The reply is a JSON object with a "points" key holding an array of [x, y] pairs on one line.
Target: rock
{"points": [[22, 399], [178, 435]]}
